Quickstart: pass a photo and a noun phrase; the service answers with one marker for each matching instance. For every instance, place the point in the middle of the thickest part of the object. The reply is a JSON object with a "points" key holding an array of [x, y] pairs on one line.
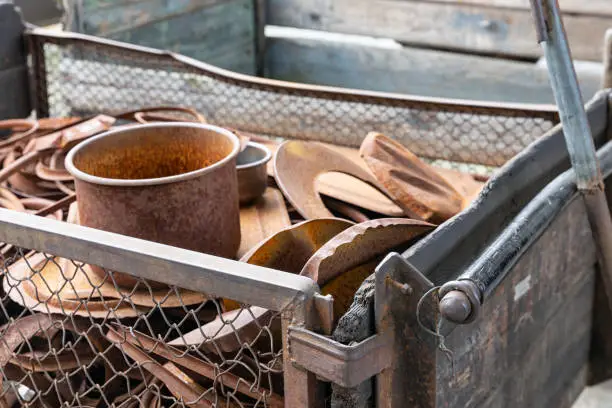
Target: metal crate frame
{"points": [[307, 355]]}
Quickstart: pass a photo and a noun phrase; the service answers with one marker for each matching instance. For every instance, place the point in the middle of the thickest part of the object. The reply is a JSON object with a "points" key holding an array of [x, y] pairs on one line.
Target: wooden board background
{"points": [[414, 71], [220, 32], [492, 27]]}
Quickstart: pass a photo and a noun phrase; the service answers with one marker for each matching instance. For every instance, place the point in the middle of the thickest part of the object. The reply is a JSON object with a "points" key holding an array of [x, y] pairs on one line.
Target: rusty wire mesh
{"points": [[84, 75], [71, 337]]}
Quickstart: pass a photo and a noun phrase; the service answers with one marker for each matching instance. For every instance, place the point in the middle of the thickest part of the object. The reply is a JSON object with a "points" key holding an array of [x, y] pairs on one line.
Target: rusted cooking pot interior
{"points": [[252, 171], [173, 183]]}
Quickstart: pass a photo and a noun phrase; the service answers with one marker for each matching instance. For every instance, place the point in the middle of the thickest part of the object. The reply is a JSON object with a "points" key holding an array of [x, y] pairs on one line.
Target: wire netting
{"points": [[78, 76], [72, 336]]}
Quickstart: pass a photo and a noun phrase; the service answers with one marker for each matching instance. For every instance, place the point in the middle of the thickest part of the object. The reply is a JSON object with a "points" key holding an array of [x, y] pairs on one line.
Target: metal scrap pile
{"points": [[74, 336]]}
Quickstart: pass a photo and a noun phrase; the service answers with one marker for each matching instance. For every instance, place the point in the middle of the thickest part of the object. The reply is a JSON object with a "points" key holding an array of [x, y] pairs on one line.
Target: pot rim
{"points": [[259, 162], [81, 175]]}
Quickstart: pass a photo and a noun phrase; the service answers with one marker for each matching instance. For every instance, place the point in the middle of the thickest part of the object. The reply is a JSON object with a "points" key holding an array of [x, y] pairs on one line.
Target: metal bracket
{"points": [[399, 288], [347, 366]]}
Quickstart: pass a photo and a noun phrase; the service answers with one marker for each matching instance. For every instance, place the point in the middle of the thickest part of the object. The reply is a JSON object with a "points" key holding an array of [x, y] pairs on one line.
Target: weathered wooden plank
{"points": [[105, 17], [464, 27], [219, 32], [414, 71], [222, 35], [597, 7]]}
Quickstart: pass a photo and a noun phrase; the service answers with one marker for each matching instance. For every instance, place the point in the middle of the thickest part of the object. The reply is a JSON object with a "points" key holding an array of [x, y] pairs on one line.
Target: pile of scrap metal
{"points": [[327, 212]]}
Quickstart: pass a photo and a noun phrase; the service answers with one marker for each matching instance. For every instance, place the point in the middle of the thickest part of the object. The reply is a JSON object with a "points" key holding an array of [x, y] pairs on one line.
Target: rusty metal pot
{"points": [[252, 171], [173, 183]]}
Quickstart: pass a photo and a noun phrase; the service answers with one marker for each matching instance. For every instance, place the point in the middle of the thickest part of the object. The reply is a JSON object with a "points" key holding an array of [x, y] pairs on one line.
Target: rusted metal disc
{"points": [[195, 364], [66, 287], [464, 183], [344, 187], [19, 287], [297, 165], [412, 184], [342, 264], [48, 168], [288, 250], [228, 331], [30, 127], [360, 243]]}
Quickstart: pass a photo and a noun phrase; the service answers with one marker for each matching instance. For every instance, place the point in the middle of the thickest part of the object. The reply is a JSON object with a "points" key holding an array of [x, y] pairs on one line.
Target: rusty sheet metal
{"points": [[197, 365], [298, 164], [344, 286], [12, 124], [69, 280], [341, 265], [17, 284], [288, 250], [127, 171], [161, 114], [348, 211], [70, 136], [228, 331], [344, 187], [263, 218], [20, 163], [412, 184], [41, 356], [19, 331], [251, 166], [360, 243], [190, 396], [464, 183]]}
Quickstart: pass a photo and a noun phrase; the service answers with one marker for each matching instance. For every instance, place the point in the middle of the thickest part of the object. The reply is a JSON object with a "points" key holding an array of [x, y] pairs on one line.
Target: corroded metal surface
{"points": [[288, 250], [296, 168], [413, 185], [150, 182], [251, 165]]}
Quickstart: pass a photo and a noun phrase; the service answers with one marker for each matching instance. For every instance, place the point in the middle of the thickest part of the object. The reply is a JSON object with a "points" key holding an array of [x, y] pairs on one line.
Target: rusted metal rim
{"points": [[260, 162], [30, 125], [81, 175]]}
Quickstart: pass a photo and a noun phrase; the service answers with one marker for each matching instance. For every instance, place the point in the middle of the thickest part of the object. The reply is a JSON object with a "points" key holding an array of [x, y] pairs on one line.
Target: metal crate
{"points": [[281, 356]]}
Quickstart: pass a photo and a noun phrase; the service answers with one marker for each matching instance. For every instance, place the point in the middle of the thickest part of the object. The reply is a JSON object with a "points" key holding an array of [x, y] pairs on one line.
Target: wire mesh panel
{"points": [[72, 335], [79, 74]]}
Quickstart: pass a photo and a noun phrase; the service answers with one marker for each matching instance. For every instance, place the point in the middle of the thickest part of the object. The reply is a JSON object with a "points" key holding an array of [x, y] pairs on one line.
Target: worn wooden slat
{"points": [[223, 35], [463, 27], [414, 71], [105, 17], [597, 7], [219, 32]]}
